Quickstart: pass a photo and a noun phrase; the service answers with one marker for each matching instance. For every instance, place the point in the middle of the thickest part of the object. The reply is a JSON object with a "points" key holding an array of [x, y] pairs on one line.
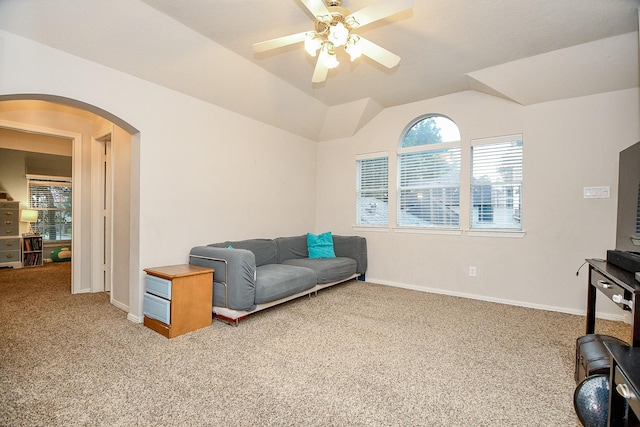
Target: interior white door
{"points": [[103, 215]]}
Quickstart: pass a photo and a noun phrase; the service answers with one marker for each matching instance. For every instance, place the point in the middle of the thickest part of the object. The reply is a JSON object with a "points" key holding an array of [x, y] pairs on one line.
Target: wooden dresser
{"points": [[10, 234]]}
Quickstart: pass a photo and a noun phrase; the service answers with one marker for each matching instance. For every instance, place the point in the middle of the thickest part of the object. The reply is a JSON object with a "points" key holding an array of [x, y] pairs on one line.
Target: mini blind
{"points": [[51, 197], [372, 192], [429, 188], [496, 187]]}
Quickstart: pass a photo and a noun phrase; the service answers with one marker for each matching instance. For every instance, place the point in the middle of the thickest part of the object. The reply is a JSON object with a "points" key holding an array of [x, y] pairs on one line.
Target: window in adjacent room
{"points": [[496, 183], [372, 193], [429, 174], [51, 197]]}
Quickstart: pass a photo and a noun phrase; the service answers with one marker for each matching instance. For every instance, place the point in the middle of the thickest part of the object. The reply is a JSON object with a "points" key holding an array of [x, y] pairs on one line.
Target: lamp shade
{"points": [[28, 215]]}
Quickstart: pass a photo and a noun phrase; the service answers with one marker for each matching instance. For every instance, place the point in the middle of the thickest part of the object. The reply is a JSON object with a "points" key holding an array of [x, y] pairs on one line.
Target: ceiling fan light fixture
{"points": [[328, 55], [338, 34], [333, 27], [351, 22], [352, 47], [312, 43]]}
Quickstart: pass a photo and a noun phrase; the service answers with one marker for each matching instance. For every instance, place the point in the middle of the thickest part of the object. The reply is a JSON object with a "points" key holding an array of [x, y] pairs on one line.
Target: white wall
{"points": [[205, 174], [568, 145]]}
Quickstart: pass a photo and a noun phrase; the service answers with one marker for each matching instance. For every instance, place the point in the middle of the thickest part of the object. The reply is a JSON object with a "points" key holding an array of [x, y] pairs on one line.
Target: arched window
{"points": [[429, 173], [430, 129]]}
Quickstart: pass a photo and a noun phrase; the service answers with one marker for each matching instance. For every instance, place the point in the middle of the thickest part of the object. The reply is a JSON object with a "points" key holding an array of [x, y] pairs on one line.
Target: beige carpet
{"points": [[358, 354]]}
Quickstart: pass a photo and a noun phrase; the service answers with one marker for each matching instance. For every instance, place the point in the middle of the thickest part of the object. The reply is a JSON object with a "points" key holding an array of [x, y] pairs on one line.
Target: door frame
{"points": [[76, 192]]}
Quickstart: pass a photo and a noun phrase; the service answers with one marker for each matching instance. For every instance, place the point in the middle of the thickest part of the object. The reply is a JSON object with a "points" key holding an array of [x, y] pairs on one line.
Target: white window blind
{"points": [[51, 197], [429, 188], [496, 183], [372, 193]]}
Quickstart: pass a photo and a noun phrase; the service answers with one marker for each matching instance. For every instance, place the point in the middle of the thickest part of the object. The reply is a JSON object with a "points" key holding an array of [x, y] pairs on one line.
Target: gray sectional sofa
{"points": [[251, 275]]}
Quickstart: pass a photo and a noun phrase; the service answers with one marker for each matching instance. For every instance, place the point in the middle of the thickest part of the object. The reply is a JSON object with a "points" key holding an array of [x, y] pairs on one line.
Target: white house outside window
{"points": [[496, 183], [372, 192], [429, 174], [51, 197]]}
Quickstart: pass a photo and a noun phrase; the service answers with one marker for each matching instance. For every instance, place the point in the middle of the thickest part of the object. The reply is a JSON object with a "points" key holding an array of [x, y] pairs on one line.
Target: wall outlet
{"points": [[472, 271]]}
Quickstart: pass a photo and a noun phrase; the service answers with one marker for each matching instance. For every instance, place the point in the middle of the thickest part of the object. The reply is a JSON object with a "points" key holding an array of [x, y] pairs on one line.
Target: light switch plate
{"points": [[597, 192]]}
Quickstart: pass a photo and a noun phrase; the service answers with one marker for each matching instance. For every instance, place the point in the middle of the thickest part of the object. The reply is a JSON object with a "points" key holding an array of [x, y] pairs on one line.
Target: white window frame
{"points": [[379, 209], [451, 146], [503, 213], [51, 181]]}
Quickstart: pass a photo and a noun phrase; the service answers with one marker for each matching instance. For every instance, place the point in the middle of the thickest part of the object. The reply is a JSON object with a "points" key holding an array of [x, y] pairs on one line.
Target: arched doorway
{"points": [[89, 127]]}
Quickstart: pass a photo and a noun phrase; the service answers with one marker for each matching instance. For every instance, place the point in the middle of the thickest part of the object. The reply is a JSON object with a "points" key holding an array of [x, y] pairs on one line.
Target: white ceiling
{"points": [[527, 51]]}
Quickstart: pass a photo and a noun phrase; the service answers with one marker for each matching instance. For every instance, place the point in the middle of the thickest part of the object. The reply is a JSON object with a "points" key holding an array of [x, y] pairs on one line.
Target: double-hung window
{"points": [[496, 183], [51, 197], [372, 192], [429, 174]]}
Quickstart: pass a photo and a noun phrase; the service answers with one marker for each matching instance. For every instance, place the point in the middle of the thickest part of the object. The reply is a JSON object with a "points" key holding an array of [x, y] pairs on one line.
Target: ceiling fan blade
{"points": [[378, 53], [279, 42], [380, 10], [320, 72], [316, 7]]}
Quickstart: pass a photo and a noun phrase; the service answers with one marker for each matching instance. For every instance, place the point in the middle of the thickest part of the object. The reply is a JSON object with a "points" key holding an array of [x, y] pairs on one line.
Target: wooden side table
{"points": [[178, 299]]}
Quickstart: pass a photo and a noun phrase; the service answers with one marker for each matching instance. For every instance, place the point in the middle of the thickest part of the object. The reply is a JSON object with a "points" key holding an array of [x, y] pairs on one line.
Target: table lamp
{"points": [[30, 216]]}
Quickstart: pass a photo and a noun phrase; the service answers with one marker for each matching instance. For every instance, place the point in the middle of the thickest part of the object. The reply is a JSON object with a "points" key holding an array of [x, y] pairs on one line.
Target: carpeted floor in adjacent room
{"points": [[358, 354]]}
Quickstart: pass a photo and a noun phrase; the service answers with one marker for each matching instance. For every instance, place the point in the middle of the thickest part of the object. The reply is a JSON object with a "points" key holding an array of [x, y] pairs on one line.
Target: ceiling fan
{"points": [[333, 28]]}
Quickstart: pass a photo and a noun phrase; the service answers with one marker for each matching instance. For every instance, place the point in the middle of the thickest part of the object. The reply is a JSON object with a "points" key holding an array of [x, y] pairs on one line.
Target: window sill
{"points": [[374, 228], [441, 231], [56, 242], [496, 233]]}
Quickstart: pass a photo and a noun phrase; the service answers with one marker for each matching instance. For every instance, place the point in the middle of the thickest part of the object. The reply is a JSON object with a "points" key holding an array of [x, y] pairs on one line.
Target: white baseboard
{"points": [[606, 316], [120, 305], [134, 319]]}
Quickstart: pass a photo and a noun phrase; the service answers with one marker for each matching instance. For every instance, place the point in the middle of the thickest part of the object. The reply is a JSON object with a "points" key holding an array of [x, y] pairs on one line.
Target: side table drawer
{"points": [[626, 390], [157, 286], [157, 308], [610, 288]]}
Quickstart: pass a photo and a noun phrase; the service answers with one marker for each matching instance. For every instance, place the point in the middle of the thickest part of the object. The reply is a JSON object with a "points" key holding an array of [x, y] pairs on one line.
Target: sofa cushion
{"points": [[292, 247], [327, 269], [275, 281], [265, 250], [321, 245]]}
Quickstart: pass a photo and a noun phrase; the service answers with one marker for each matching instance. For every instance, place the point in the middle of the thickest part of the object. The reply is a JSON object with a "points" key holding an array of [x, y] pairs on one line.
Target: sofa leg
{"points": [[361, 277]]}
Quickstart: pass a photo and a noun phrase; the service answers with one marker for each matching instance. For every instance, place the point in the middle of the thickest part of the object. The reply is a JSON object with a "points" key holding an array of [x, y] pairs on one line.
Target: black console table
{"points": [[624, 380], [621, 287]]}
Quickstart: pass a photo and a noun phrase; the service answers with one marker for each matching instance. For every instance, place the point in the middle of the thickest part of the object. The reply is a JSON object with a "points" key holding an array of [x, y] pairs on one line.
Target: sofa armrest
{"points": [[234, 280], [353, 247]]}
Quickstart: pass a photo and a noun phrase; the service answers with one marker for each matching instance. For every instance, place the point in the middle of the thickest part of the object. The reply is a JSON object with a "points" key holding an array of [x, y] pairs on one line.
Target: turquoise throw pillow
{"points": [[321, 245]]}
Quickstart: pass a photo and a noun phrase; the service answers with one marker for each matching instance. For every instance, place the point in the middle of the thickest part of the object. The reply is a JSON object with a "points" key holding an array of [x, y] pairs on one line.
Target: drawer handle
{"points": [[624, 391], [604, 284], [8, 231], [9, 244], [9, 255], [8, 222], [8, 213]]}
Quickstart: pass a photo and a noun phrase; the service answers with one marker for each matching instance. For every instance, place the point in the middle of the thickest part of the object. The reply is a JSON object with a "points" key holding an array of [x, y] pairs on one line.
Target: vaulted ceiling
{"points": [[525, 51]]}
